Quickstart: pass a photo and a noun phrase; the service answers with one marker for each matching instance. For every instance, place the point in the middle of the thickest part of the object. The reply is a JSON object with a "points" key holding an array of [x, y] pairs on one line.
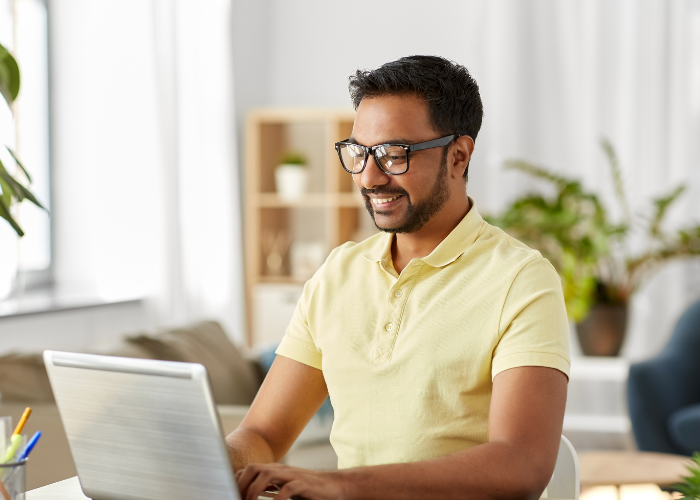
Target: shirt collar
{"points": [[449, 249]]}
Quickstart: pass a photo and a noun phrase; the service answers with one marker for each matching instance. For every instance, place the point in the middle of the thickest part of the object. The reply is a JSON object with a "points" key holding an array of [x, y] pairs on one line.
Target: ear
{"points": [[461, 154]]}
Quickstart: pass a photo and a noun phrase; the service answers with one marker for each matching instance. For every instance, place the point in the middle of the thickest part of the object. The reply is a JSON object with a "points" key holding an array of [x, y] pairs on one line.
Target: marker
{"points": [[15, 443], [22, 421], [30, 446]]}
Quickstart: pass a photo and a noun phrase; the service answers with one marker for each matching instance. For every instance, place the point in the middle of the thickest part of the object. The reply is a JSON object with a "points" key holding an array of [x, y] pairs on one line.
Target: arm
{"points": [[290, 395], [525, 423]]}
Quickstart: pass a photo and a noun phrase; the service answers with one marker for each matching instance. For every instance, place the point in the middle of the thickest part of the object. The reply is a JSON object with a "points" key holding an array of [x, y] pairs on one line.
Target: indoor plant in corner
{"points": [[593, 255], [13, 176]]}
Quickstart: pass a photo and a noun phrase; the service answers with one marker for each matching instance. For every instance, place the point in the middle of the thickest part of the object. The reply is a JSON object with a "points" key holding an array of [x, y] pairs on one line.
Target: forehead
{"points": [[392, 118]]}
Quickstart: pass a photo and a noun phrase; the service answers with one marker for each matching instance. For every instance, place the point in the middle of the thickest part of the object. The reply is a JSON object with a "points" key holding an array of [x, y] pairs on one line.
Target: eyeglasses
{"points": [[393, 159]]}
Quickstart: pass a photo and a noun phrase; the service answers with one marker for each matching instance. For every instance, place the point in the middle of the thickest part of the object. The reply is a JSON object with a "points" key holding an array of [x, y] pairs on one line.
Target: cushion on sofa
{"points": [[23, 378], [684, 428], [233, 378]]}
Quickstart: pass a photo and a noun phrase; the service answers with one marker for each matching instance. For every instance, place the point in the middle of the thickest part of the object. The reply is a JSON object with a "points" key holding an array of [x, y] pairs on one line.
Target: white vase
{"points": [[291, 181], [8, 258]]}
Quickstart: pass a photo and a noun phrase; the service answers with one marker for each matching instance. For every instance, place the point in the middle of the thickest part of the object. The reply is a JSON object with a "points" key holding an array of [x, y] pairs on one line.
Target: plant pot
{"points": [[291, 181], [603, 330]]}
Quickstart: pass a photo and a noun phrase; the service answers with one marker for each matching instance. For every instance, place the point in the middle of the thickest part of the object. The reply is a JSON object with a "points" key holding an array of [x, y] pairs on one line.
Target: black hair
{"points": [[453, 96]]}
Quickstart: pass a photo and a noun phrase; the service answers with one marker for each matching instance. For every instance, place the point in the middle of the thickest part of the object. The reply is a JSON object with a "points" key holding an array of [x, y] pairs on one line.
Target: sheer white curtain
{"points": [[557, 76], [146, 176]]}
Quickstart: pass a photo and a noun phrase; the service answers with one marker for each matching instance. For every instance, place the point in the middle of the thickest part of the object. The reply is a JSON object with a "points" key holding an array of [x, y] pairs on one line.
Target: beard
{"points": [[417, 215]]}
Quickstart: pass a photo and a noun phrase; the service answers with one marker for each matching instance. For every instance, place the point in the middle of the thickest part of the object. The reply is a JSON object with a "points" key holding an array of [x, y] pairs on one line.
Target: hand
{"points": [[292, 481]]}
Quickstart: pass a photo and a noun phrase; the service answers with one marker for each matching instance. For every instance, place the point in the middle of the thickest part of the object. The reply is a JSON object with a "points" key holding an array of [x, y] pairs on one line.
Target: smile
{"points": [[383, 201]]}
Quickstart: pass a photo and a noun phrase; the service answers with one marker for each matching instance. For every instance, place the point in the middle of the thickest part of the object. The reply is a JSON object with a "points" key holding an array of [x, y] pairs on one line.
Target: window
{"points": [[24, 31]]}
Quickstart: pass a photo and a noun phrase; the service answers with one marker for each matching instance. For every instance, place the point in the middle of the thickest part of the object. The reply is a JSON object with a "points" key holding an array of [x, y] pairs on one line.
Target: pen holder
{"points": [[13, 480]]}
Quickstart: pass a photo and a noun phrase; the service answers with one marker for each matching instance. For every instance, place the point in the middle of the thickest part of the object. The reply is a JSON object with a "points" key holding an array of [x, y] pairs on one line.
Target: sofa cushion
{"points": [[233, 378], [684, 429], [23, 378]]}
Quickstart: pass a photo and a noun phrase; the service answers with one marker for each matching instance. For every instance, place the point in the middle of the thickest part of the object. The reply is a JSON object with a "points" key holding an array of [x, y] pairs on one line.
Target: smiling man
{"points": [[442, 341]]}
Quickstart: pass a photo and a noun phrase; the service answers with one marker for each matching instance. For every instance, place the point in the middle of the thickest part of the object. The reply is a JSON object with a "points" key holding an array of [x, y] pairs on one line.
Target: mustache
{"points": [[384, 190]]}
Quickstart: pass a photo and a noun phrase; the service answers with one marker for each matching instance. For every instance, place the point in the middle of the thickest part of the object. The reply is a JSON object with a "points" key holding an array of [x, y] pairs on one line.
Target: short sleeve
{"points": [[534, 327], [297, 343]]}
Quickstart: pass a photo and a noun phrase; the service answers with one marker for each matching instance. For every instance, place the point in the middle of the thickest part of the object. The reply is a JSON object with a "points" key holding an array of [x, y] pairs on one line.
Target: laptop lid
{"points": [[141, 429]]}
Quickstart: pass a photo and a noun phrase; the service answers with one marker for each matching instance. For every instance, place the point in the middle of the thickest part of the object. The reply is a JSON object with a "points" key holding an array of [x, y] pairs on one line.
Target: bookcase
{"points": [[286, 241]]}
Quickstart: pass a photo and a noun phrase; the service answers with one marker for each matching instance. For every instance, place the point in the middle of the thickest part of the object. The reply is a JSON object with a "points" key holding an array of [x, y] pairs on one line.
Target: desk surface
{"points": [[68, 489]]}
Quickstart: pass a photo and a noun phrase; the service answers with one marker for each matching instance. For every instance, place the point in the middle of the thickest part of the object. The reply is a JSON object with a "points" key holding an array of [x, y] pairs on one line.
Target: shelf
{"points": [[280, 279], [272, 200]]}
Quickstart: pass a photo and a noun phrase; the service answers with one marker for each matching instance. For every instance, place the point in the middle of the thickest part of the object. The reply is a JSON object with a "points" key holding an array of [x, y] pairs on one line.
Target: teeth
{"points": [[380, 201]]}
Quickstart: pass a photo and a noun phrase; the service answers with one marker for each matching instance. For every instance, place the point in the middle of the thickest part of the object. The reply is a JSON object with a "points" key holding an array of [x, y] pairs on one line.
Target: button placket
{"points": [[390, 326]]}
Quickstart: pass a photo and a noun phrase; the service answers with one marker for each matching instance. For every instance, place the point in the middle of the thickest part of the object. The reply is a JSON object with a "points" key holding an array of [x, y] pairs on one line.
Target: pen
{"points": [[30, 446], [22, 421]]}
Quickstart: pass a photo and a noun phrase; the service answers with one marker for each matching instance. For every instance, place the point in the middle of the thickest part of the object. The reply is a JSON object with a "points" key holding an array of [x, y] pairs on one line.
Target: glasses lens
{"points": [[353, 157], [393, 159]]}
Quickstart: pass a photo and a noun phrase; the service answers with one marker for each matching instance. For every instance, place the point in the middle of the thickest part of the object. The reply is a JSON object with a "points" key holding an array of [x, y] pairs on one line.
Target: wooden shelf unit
{"points": [[331, 212]]}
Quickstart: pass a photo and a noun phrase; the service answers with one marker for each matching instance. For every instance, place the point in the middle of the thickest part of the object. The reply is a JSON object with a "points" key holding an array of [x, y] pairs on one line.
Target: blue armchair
{"points": [[663, 393]]}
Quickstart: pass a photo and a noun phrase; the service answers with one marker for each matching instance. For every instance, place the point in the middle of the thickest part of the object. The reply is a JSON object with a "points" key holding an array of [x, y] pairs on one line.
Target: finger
{"points": [[290, 489], [266, 477], [247, 476], [259, 484]]}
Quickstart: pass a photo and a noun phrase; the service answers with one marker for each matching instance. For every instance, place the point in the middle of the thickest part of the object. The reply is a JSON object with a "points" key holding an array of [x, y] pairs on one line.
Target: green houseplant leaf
{"points": [[9, 76], [12, 189], [690, 487], [574, 231]]}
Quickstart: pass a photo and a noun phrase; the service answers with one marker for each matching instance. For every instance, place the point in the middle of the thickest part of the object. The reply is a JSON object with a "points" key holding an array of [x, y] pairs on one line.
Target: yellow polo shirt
{"points": [[409, 358]]}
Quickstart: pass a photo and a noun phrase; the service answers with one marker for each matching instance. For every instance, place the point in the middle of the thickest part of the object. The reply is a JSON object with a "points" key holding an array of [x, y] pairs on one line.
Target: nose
{"points": [[372, 176]]}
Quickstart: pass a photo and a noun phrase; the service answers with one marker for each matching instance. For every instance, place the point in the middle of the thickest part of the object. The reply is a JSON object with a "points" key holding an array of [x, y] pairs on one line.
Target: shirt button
{"points": [[389, 327], [398, 293]]}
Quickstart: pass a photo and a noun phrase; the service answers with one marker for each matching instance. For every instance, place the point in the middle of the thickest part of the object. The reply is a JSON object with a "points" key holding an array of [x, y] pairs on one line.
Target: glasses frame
{"points": [[409, 148]]}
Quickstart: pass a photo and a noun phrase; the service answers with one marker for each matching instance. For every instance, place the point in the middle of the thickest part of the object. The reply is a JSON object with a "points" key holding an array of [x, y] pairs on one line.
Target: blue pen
{"points": [[30, 446]]}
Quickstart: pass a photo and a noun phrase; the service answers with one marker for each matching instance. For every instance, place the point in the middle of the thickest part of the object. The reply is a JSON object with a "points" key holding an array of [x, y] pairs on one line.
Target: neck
{"points": [[408, 246]]}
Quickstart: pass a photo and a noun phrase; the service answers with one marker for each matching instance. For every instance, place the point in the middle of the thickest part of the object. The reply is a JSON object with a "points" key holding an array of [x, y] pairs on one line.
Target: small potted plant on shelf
{"points": [[593, 255], [13, 177], [291, 176]]}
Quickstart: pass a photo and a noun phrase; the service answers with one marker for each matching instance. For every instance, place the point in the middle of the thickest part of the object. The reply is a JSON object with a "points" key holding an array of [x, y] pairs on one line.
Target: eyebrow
{"points": [[399, 140]]}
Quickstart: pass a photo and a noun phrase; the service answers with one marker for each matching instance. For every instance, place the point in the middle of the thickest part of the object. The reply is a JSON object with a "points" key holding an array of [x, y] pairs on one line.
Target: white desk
{"points": [[68, 489]]}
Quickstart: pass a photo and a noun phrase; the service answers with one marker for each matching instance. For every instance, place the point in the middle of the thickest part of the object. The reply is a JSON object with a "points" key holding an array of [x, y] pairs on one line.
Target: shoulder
{"points": [[507, 253], [346, 261]]}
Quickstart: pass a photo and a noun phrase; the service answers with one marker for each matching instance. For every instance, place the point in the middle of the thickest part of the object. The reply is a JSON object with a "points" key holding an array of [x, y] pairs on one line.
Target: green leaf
{"points": [[616, 175], [9, 76], [16, 189], [11, 183], [19, 163], [662, 205], [5, 214]]}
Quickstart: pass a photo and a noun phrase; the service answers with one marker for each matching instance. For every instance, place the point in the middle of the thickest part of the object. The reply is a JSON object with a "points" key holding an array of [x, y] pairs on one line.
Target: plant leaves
{"points": [[662, 205], [5, 214], [9, 76], [16, 188], [616, 172], [19, 163]]}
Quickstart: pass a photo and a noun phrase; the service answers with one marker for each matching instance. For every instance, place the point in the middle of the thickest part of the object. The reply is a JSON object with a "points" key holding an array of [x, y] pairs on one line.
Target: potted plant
{"points": [[14, 178], [591, 252], [291, 176]]}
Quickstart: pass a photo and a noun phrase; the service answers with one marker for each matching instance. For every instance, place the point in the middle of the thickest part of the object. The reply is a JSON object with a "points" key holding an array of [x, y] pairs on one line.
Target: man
{"points": [[442, 342]]}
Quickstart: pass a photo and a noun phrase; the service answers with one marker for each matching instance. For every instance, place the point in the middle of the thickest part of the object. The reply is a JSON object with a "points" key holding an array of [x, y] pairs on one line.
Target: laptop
{"points": [[141, 429]]}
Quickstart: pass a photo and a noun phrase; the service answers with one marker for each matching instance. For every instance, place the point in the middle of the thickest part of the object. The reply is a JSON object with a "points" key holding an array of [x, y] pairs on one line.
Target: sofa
{"points": [[235, 380], [663, 393]]}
